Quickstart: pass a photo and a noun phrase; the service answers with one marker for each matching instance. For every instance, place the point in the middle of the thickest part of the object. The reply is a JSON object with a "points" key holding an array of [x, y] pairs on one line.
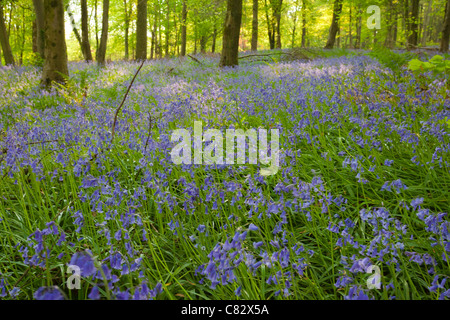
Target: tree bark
{"points": [[414, 24], [55, 66], [255, 26], [214, 37], [101, 53], [334, 24], [270, 26], [231, 33], [426, 22], [40, 35], [126, 29], [350, 28], [141, 30], [446, 29], [276, 21], [304, 24], [183, 29], [167, 30], [4, 39], [406, 24], [74, 28], [85, 31]]}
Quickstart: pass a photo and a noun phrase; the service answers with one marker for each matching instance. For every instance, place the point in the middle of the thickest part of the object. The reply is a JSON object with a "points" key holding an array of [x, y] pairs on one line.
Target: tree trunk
{"points": [[55, 65], [74, 28], [334, 24], [358, 29], [183, 29], [255, 26], [426, 22], [446, 29], [414, 24], [203, 41], [153, 47], [214, 37], [231, 33], [96, 27], [85, 31], [4, 39], [270, 27], [141, 30], [167, 29], [126, 29], [276, 9], [40, 35], [350, 28], [304, 24], [101, 53], [406, 24]]}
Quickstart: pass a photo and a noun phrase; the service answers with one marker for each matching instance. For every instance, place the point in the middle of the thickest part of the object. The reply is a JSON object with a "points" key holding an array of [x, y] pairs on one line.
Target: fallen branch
{"points": [[195, 59]]}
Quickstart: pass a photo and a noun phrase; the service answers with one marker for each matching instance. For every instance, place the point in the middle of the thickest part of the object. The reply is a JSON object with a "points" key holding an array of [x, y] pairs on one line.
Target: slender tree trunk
{"points": [[153, 47], [96, 28], [270, 27], [101, 54], [446, 29], [426, 23], [334, 24], [231, 33], [414, 24], [350, 28], [4, 39], [74, 28], [167, 29], [255, 26], [203, 40], [214, 37], [406, 22], [141, 30], [85, 31], [126, 29], [358, 29], [304, 24], [40, 35], [159, 34], [55, 65], [276, 8], [183, 29]]}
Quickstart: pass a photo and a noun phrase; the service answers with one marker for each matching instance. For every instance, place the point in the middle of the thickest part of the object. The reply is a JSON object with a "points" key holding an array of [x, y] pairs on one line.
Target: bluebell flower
{"points": [[85, 262], [48, 293], [94, 294]]}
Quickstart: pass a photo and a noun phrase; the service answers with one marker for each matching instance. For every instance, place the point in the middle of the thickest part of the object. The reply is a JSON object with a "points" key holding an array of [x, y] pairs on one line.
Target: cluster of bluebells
{"points": [[120, 193]]}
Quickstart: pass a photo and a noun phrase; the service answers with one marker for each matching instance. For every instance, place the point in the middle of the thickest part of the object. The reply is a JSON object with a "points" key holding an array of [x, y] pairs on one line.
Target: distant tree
{"points": [[414, 25], [101, 52], [55, 64], [446, 29], [231, 33], [183, 29], [255, 26], [4, 39], [40, 20], [304, 4], [141, 30], [334, 28], [74, 27], [85, 32]]}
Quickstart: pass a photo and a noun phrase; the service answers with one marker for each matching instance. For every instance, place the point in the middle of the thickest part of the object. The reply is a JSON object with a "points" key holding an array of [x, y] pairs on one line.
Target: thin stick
{"points": [[195, 59], [149, 131], [123, 101]]}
